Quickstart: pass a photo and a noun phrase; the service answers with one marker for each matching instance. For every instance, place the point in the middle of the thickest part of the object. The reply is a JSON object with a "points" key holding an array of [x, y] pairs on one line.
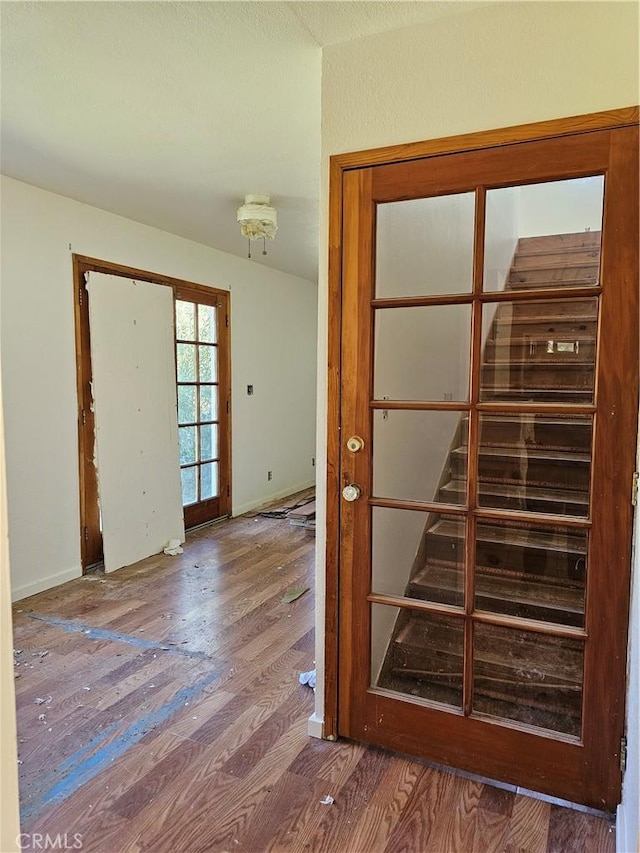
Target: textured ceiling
{"points": [[168, 113]]}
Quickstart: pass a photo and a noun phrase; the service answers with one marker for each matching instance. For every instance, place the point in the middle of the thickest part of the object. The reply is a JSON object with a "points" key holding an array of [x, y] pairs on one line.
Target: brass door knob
{"points": [[355, 443], [351, 492]]}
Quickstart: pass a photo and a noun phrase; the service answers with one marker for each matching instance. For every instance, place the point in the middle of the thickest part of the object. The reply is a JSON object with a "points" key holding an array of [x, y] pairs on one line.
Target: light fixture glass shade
{"points": [[257, 219]]}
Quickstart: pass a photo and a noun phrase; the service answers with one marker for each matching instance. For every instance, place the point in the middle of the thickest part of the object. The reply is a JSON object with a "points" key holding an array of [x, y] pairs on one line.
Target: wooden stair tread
{"points": [[558, 257], [560, 394], [574, 421], [569, 360], [557, 266], [551, 242], [566, 543], [551, 317], [444, 642], [541, 284], [521, 340], [458, 486], [539, 593], [529, 453]]}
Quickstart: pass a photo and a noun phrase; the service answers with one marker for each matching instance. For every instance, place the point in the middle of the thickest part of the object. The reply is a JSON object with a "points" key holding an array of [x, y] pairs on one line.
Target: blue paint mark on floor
{"points": [[82, 767], [70, 626]]}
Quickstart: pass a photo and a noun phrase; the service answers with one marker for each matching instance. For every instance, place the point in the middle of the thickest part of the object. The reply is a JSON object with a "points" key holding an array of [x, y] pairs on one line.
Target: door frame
{"points": [[339, 165], [90, 535]]}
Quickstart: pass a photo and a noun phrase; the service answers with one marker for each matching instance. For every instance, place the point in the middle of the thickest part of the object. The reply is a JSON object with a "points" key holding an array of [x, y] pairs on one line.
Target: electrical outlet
{"points": [[448, 396], [313, 461], [269, 475], [249, 390]]}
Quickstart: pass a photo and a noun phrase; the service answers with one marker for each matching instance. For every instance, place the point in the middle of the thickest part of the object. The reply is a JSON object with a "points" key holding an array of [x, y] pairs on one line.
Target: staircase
{"points": [[535, 352]]}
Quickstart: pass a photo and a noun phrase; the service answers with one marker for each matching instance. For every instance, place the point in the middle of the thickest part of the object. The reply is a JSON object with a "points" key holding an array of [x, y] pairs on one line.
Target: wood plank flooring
{"points": [[159, 710]]}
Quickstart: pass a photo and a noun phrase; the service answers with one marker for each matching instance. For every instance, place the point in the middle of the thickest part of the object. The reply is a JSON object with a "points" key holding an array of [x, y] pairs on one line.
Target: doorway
{"points": [[487, 417], [215, 310]]}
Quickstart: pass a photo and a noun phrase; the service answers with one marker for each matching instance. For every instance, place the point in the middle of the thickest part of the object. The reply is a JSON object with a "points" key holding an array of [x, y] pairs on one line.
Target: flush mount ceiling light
{"points": [[258, 220]]}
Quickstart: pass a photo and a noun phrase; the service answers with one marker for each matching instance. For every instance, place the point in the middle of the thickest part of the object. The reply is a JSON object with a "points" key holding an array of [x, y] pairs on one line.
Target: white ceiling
{"points": [[168, 113]]}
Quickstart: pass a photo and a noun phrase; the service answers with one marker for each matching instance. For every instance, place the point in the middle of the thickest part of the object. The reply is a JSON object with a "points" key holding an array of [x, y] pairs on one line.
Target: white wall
{"points": [[273, 347], [628, 823], [495, 66], [559, 207], [9, 819], [501, 239]]}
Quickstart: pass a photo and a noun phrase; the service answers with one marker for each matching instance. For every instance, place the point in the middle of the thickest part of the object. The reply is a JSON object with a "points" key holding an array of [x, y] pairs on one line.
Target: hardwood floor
{"points": [[159, 710]]}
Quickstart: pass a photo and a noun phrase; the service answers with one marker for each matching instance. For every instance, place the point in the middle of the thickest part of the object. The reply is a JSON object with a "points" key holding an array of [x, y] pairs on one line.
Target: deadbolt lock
{"points": [[355, 443], [351, 492]]}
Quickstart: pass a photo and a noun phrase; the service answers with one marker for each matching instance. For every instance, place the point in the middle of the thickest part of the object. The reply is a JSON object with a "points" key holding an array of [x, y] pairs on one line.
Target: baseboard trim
{"points": [[269, 499], [43, 584], [315, 726]]}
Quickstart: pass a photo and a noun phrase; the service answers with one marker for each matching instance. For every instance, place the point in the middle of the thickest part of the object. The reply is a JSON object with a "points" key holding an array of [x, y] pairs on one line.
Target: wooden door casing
{"points": [[361, 709]]}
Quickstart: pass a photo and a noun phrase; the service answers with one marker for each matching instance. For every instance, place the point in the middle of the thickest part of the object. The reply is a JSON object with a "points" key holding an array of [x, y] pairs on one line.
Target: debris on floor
{"points": [[308, 678], [301, 513], [327, 800], [282, 510], [293, 593], [173, 548], [304, 516]]}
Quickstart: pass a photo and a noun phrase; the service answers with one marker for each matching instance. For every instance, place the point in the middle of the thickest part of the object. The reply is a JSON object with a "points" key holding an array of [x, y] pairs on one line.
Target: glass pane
{"points": [[425, 246], [419, 654], [532, 678], [537, 572], [186, 362], [539, 351], [208, 363], [187, 437], [186, 404], [208, 480], [185, 321], [536, 463], [208, 402], [422, 353], [409, 449], [209, 441], [189, 485], [418, 555], [544, 235], [207, 324]]}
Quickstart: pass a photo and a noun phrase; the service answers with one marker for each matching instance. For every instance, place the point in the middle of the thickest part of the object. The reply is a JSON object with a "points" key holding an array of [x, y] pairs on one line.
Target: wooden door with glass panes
{"points": [[203, 400], [489, 398]]}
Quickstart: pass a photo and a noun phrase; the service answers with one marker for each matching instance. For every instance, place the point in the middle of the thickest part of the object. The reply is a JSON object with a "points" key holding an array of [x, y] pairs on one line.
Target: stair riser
{"points": [[541, 331], [561, 276], [570, 436], [560, 700], [490, 680], [572, 309], [537, 473], [536, 352], [534, 396], [554, 377], [509, 557], [525, 504], [559, 242], [439, 648], [556, 259]]}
